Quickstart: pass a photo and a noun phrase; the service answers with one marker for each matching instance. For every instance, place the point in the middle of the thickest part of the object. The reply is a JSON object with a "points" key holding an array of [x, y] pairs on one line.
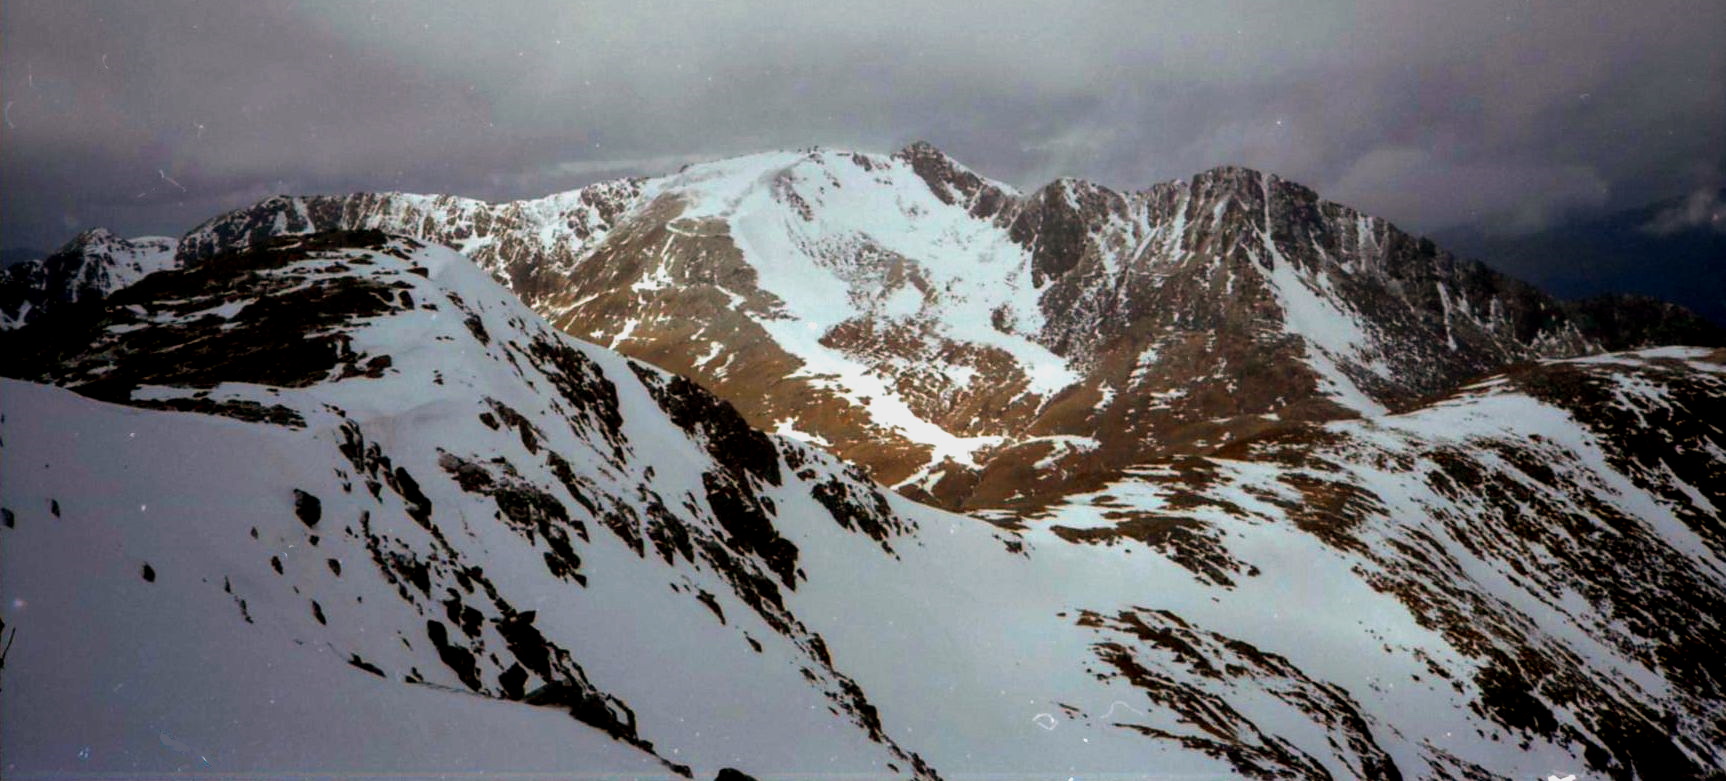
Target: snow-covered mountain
{"points": [[978, 347], [90, 266], [340, 502]]}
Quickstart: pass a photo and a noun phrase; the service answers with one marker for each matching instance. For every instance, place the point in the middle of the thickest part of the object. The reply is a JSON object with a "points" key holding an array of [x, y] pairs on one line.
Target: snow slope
{"points": [[1312, 603]]}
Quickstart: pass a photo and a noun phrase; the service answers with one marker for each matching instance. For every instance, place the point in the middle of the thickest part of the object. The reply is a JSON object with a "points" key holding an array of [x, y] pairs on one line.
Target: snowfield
{"points": [[426, 532]]}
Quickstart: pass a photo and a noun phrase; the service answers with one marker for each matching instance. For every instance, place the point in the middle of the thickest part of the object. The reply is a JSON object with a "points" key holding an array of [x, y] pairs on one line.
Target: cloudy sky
{"points": [[149, 116]]}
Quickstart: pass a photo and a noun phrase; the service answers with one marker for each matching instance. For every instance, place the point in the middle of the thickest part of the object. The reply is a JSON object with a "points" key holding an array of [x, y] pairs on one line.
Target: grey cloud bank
{"points": [[1702, 209], [149, 117]]}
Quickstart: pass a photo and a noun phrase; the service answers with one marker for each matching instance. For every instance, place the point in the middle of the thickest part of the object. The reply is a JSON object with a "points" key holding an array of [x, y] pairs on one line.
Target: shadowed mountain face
{"points": [[14, 255], [90, 266], [986, 349], [349, 476], [1673, 250], [1624, 321]]}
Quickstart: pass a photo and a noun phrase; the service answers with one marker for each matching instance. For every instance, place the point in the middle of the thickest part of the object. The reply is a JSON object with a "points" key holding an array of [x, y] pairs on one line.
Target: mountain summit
{"points": [[90, 266], [1254, 485], [978, 347]]}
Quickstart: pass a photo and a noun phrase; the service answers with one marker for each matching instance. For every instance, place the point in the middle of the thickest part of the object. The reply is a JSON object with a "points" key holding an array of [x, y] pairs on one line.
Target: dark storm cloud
{"points": [[150, 116]]}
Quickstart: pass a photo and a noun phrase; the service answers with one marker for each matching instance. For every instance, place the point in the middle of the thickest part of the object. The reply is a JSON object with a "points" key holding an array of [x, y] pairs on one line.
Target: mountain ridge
{"points": [[957, 336], [1518, 578], [93, 264], [941, 328], [1670, 249]]}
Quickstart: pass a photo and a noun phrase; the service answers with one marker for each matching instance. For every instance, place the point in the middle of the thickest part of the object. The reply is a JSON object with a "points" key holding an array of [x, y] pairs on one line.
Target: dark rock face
{"points": [[1154, 650], [1055, 225], [745, 518], [955, 184], [1628, 322], [746, 453], [308, 508], [237, 319], [457, 658], [529, 509]]}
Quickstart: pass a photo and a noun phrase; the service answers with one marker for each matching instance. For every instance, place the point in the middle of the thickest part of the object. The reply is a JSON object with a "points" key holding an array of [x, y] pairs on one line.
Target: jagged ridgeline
{"points": [[985, 349], [1271, 490]]}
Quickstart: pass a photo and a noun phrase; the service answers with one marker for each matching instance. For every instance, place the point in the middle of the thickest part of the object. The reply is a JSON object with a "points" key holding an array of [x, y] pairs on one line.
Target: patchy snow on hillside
{"points": [[342, 584], [89, 267], [324, 464]]}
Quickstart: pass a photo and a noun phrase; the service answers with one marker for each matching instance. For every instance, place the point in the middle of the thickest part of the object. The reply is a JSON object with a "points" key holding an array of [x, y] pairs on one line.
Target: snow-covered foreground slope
{"points": [[434, 488], [342, 504], [110, 672]]}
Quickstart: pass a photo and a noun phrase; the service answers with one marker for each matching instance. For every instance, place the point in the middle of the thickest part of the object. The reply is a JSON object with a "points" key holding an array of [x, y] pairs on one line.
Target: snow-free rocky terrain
{"points": [[322, 496]]}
